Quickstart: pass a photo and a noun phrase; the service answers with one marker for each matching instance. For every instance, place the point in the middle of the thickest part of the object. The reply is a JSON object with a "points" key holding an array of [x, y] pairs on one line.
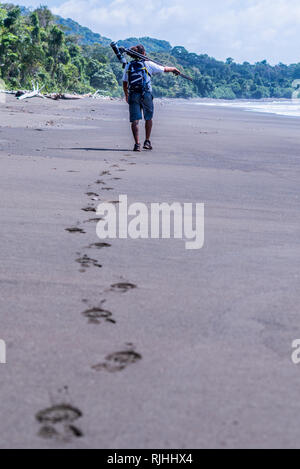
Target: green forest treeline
{"points": [[34, 46]]}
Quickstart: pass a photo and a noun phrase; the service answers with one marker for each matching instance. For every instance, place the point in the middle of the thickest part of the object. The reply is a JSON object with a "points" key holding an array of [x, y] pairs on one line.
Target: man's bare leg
{"points": [[135, 131], [149, 125]]}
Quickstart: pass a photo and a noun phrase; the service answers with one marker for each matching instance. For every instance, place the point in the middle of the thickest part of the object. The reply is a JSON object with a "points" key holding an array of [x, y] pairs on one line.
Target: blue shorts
{"points": [[141, 104]]}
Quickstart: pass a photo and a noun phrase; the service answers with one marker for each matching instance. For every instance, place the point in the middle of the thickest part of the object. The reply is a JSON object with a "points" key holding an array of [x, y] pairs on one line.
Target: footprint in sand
{"points": [[93, 220], [57, 422], [114, 202], [105, 173], [98, 315], [99, 245], [87, 262], [107, 189], [92, 194], [123, 287], [89, 209], [74, 229], [99, 181], [118, 361]]}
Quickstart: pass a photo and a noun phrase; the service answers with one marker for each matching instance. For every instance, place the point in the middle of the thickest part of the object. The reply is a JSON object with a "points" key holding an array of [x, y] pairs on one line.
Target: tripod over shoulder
{"points": [[121, 51]]}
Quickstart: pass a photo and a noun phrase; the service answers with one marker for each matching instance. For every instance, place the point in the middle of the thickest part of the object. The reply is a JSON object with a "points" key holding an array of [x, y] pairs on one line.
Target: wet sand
{"points": [[142, 344]]}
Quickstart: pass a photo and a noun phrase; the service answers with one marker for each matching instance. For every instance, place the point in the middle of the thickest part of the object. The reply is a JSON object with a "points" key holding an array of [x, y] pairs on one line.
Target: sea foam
{"points": [[289, 108]]}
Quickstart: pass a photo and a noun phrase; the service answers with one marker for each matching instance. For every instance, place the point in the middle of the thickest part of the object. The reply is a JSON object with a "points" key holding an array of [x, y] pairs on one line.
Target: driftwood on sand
{"points": [[36, 92], [7, 92], [56, 96]]}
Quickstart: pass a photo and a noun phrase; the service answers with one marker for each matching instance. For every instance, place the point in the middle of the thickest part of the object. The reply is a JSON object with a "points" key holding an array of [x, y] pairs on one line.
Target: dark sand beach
{"points": [[143, 344]]}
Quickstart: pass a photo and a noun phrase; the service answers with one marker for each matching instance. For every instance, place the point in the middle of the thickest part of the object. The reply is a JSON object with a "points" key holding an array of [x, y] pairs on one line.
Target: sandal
{"points": [[137, 147], [147, 145]]}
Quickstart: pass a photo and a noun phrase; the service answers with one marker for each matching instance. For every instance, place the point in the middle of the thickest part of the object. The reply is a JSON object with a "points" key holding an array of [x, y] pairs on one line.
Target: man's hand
{"points": [[127, 98], [172, 70]]}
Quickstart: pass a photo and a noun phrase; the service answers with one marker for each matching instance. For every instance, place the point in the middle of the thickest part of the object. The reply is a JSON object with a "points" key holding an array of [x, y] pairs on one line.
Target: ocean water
{"points": [[290, 108]]}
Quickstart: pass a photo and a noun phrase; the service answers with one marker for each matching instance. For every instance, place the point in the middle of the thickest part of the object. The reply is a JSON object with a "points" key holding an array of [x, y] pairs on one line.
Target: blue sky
{"points": [[249, 30]]}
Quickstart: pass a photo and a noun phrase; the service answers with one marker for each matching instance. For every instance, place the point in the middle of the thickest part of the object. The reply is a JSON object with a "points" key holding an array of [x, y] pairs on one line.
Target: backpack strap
{"points": [[144, 68]]}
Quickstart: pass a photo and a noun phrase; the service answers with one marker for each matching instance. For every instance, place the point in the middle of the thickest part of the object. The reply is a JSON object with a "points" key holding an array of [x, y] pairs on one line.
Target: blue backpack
{"points": [[137, 77]]}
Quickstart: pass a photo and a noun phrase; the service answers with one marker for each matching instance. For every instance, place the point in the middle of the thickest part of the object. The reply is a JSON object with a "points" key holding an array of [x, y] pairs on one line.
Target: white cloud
{"points": [[244, 29]]}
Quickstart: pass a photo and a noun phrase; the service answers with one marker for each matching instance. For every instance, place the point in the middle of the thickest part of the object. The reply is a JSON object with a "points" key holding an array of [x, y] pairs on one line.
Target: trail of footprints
{"points": [[59, 422], [83, 259]]}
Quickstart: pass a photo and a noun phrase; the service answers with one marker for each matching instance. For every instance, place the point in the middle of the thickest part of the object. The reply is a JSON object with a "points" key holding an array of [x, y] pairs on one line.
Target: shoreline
{"points": [[276, 107]]}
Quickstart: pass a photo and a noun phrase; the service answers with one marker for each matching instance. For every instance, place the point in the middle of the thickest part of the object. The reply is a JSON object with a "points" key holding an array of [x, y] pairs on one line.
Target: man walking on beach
{"points": [[138, 93]]}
